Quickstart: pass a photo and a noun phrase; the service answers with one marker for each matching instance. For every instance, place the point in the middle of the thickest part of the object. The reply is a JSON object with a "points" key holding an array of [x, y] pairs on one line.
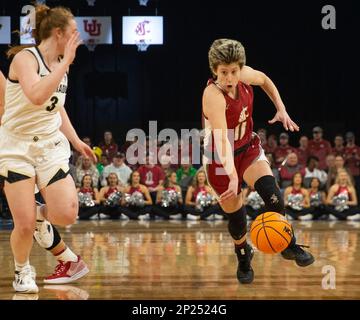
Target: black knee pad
{"points": [[269, 191], [237, 223], [57, 238]]}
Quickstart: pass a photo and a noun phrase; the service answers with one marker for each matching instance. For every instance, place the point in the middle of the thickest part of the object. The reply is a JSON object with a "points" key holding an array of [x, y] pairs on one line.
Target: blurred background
{"points": [[116, 87]]}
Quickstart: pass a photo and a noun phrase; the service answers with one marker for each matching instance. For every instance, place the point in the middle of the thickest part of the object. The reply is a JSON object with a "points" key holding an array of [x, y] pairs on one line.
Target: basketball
{"points": [[270, 232]]}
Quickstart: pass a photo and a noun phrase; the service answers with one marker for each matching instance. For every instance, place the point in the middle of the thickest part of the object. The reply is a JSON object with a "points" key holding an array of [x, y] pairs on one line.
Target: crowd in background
{"points": [[319, 180]]}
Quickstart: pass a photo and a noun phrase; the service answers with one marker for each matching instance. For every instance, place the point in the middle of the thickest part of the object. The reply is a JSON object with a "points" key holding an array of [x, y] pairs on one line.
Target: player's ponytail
{"points": [[46, 19]]}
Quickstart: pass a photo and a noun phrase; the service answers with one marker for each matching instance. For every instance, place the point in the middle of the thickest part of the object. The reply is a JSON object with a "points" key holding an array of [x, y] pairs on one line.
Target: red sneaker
{"points": [[66, 272]]}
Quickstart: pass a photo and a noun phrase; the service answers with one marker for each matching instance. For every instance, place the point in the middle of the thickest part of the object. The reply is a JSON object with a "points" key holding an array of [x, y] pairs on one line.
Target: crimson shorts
{"points": [[220, 182]]}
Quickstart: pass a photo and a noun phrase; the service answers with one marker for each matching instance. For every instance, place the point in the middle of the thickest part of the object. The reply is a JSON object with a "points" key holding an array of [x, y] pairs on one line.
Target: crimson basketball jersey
{"points": [[238, 117]]}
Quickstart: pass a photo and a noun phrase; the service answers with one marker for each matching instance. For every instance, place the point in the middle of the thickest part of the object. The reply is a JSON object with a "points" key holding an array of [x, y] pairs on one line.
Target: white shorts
{"points": [[23, 157]]}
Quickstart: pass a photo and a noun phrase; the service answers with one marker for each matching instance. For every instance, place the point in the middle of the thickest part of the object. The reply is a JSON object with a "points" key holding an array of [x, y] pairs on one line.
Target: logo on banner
{"points": [[140, 28], [93, 29]]}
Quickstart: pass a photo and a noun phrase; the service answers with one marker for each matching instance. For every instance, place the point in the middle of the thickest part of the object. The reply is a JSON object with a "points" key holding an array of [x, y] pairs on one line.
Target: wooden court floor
{"points": [[191, 260]]}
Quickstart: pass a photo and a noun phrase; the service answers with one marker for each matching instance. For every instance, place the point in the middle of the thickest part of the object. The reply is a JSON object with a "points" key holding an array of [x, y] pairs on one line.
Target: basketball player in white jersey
{"points": [[34, 134], [48, 237]]}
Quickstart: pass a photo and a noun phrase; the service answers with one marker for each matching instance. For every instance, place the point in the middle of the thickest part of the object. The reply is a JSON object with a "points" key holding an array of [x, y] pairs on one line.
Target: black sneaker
{"points": [[301, 257], [245, 272]]}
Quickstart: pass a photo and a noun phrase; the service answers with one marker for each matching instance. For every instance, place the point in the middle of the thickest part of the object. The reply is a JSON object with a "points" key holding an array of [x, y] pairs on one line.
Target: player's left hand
{"points": [[285, 119], [85, 150]]}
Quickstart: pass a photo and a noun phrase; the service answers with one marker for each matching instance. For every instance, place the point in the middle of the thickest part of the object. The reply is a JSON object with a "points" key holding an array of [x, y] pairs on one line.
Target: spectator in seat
{"points": [[185, 174], [86, 166], [289, 169], [339, 149], [103, 162], [312, 171], [283, 150], [151, 175], [119, 167], [108, 145], [352, 159], [319, 147], [303, 150], [332, 174], [271, 143]]}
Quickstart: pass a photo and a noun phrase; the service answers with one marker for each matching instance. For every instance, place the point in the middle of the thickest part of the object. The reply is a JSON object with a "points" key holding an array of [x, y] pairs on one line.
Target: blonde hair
{"points": [[46, 20], [226, 51], [195, 182], [337, 180]]}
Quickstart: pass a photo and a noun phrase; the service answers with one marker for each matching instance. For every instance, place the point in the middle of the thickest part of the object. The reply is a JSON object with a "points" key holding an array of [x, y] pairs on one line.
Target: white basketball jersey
{"points": [[24, 118]]}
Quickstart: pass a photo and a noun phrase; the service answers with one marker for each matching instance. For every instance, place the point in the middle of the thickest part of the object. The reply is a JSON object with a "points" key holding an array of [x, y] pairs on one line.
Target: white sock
{"points": [[20, 266], [39, 210], [67, 255]]}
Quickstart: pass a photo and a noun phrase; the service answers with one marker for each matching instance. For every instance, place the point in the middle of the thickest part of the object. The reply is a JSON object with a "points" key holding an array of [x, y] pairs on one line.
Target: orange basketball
{"points": [[270, 232]]}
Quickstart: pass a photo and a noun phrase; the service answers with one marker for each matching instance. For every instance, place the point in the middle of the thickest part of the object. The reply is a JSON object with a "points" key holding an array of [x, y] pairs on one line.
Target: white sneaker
{"points": [[354, 217], [192, 217], [124, 217], [332, 217], [210, 218], [44, 233], [103, 216], [24, 281], [306, 217], [177, 216], [145, 216], [218, 216], [33, 272]]}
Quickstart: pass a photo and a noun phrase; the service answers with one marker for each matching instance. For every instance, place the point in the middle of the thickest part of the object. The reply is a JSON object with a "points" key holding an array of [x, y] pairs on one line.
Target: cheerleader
{"points": [[317, 199], [89, 200], [200, 200], [110, 197], [137, 202], [342, 200], [169, 199], [297, 203]]}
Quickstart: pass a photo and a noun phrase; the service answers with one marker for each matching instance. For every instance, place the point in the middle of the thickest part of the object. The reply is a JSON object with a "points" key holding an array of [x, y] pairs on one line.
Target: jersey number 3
{"points": [[54, 101]]}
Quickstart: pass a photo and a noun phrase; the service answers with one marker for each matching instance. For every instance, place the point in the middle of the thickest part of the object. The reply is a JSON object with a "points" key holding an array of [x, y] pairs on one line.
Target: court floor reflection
{"points": [[181, 260]]}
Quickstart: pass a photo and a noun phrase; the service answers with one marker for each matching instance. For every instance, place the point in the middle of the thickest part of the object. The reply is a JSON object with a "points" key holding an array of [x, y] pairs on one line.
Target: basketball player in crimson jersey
{"points": [[227, 110]]}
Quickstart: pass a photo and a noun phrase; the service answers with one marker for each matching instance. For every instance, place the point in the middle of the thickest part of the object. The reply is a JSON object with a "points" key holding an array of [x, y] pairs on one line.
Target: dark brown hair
{"points": [[46, 20]]}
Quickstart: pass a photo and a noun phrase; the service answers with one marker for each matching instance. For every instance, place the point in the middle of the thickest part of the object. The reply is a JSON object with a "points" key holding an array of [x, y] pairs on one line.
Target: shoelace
{"points": [[59, 268], [25, 275]]}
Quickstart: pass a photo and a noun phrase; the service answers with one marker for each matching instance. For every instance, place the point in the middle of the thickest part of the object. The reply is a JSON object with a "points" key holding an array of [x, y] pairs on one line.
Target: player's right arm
{"points": [[214, 105], [2, 94], [38, 89]]}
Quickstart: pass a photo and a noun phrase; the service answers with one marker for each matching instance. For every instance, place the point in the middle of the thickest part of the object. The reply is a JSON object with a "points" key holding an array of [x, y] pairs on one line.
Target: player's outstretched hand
{"points": [[285, 119], [85, 150]]}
